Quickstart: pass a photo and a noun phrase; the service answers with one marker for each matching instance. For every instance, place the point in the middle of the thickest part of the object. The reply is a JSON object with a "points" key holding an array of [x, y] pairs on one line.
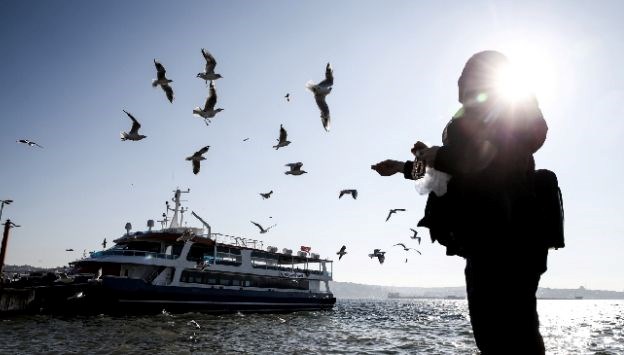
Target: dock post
{"points": [[5, 238]]}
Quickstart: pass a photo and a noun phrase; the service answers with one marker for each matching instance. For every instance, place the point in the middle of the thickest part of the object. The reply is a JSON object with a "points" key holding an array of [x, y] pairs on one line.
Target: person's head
{"points": [[480, 75]]}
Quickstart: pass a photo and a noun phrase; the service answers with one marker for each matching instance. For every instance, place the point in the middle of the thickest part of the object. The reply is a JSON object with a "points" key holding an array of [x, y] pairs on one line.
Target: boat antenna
{"points": [[176, 199]]}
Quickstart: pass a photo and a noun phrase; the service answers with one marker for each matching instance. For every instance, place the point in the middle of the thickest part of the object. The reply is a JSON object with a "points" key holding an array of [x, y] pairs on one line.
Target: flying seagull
{"points": [[321, 90], [104, 244], [295, 169], [262, 230], [415, 236], [283, 139], [29, 142], [392, 211], [352, 192], [193, 322], [406, 248], [246, 139], [266, 194], [211, 63], [197, 157], [162, 80], [342, 252], [377, 253], [287, 97], [133, 135], [209, 110], [70, 249]]}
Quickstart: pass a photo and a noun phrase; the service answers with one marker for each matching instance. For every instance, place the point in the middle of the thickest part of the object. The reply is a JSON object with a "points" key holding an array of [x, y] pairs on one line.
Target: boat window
{"points": [[236, 282], [197, 252]]}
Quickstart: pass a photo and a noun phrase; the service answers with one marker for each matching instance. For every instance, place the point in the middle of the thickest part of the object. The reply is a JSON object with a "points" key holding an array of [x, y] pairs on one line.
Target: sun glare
{"points": [[531, 72]]}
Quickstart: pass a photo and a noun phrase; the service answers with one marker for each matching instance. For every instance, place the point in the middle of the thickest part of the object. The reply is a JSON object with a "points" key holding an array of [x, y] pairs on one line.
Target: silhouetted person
{"points": [[489, 214]]}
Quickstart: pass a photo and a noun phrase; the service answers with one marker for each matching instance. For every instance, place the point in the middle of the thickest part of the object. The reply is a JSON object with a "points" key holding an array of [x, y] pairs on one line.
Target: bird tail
{"points": [[310, 85], [196, 111], [124, 136], [154, 84]]}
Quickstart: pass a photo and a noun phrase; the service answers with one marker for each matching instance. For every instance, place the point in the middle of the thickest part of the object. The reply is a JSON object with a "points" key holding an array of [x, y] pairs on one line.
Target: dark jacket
{"points": [[490, 204]]}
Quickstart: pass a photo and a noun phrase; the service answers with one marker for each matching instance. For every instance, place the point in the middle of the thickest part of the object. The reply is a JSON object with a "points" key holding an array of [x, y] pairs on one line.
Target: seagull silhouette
{"points": [[283, 139], [104, 244], [377, 253], [197, 157], [415, 236], [342, 252], [351, 192], [320, 91], [266, 194], [209, 110], [262, 230], [133, 135], [287, 97], [162, 80], [406, 248], [211, 63], [393, 211], [295, 169], [29, 142]]}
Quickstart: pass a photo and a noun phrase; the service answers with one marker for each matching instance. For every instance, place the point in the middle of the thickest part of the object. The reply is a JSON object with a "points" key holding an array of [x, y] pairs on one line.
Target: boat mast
{"points": [[175, 221]]}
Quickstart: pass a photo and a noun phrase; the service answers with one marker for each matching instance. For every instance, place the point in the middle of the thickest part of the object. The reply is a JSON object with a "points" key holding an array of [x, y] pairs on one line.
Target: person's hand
{"points": [[418, 147], [428, 155], [388, 167]]}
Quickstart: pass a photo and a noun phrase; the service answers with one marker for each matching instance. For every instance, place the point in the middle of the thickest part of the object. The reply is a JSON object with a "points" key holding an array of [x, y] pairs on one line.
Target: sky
{"points": [[69, 68]]}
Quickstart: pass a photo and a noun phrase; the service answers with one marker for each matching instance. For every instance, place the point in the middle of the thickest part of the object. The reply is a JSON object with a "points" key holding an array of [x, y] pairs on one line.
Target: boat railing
{"points": [[147, 254]]}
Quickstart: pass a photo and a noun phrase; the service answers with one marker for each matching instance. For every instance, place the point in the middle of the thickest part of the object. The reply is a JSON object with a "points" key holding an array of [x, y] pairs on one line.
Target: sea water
{"points": [[416, 326]]}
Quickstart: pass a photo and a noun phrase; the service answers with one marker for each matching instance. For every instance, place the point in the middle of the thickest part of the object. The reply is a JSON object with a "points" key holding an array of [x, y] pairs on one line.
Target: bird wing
{"points": [[322, 105], [399, 209], [283, 134], [416, 251], [414, 230], [169, 91], [160, 70], [266, 230], [195, 167], [389, 214], [257, 225], [344, 247], [211, 62], [203, 150], [401, 244], [329, 77], [354, 193], [211, 100], [342, 192], [381, 258], [135, 124]]}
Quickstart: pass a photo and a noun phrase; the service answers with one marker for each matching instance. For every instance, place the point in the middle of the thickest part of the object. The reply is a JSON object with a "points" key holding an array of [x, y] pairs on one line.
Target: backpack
{"points": [[550, 202]]}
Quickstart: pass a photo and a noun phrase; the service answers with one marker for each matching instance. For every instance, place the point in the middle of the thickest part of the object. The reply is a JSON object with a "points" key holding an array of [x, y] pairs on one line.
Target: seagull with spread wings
{"points": [[209, 110], [283, 139], [211, 63], [320, 91], [377, 253], [162, 80], [351, 192], [29, 142], [197, 157], [133, 135], [266, 195], [262, 230], [406, 248], [295, 169], [415, 236], [393, 211], [342, 252]]}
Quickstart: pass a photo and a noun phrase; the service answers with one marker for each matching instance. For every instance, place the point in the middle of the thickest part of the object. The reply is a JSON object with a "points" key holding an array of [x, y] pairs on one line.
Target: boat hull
{"points": [[124, 295]]}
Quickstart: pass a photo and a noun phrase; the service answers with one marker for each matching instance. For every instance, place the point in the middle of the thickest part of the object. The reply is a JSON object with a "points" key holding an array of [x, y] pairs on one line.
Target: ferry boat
{"points": [[181, 268]]}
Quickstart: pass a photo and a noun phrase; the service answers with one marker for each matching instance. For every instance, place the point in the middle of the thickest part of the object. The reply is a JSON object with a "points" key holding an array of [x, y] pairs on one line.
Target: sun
{"points": [[531, 72]]}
